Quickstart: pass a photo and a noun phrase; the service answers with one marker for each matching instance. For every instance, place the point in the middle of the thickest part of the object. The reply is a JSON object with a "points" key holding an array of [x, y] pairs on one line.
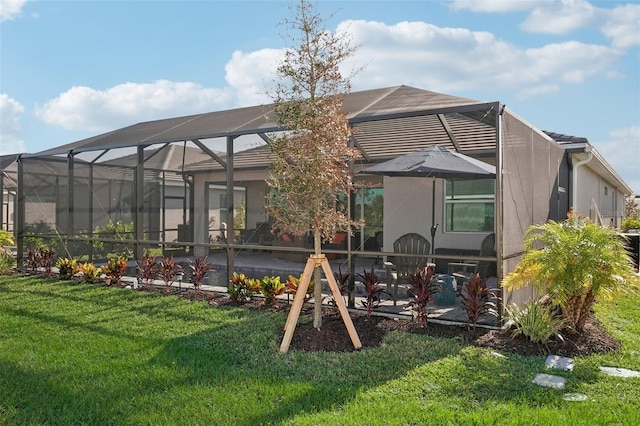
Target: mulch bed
{"points": [[333, 336]]}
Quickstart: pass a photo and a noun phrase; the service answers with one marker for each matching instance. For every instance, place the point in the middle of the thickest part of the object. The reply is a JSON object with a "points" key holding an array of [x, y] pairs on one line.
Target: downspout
{"points": [[574, 176]]}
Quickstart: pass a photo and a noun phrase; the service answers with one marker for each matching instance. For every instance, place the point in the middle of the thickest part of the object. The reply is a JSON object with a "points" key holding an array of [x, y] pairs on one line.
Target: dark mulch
{"points": [[333, 336]]}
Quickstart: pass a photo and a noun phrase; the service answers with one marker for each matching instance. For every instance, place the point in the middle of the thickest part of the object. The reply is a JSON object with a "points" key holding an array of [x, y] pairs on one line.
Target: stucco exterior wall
{"points": [[407, 208], [596, 195]]}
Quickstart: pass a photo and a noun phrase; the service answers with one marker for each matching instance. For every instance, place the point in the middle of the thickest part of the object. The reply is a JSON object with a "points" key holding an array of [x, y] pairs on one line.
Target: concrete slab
{"points": [[575, 397], [619, 372], [559, 362], [549, 381]]}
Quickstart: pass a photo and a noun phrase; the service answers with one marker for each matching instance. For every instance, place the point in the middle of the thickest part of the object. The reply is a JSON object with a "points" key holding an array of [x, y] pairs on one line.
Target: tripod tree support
{"points": [[317, 261]]}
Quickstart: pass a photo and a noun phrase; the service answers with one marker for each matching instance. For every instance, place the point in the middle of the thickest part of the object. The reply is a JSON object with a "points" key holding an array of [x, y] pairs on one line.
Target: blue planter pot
{"points": [[447, 294]]}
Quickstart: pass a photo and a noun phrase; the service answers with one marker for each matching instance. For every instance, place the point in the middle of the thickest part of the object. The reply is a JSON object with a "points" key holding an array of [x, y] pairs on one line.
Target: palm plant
{"points": [[575, 262]]}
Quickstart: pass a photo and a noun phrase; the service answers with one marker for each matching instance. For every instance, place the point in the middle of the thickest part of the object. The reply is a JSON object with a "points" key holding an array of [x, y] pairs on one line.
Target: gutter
{"points": [[574, 177]]}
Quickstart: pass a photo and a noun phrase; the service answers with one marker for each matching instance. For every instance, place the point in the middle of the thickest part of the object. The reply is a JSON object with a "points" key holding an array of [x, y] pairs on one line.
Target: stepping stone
{"points": [[575, 397], [559, 362], [549, 381], [619, 372]]}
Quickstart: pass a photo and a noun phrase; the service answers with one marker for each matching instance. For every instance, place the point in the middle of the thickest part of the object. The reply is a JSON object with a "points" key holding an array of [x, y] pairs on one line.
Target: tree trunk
{"points": [[572, 310], [317, 291], [588, 302]]}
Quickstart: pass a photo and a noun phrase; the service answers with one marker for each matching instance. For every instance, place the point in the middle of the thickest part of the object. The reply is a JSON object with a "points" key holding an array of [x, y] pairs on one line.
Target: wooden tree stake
{"points": [[316, 261]]}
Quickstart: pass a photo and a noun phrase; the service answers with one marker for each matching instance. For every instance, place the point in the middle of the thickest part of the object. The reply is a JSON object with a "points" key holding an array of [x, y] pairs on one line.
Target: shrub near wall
{"points": [[578, 263]]}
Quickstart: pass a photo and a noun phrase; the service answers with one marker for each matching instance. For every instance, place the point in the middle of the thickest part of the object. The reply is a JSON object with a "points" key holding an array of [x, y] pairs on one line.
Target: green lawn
{"points": [[80, 354]]}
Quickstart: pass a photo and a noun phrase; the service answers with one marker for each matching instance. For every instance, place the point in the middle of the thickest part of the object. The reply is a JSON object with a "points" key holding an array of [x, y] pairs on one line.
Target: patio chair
{"points": [[410, 243], [484, 268]]}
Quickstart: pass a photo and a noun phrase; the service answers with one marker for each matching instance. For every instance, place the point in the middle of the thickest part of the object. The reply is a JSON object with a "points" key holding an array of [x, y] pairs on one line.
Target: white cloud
{"points": [[457, 59], [10, 133], [571, 61], [561, 17], [9, 9], [622, 151], [494, 5], [622, 26], [84, 108], [449, 60], [251, 74], [544, 89]]}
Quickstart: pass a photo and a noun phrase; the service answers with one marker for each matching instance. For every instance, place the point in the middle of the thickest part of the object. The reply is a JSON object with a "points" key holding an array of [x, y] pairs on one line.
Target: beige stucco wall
{"points": [[407, 208], [608, 199]]}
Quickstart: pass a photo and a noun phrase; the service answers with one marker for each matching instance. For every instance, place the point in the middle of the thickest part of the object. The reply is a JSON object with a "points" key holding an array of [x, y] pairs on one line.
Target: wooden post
{"points": [[316, 261]]}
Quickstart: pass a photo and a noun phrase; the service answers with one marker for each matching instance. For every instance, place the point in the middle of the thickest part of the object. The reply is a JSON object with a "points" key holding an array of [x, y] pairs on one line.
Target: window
{"points": [[470, 205]]}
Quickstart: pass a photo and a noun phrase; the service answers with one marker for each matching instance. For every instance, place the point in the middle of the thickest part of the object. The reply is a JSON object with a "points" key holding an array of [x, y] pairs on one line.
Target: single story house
{"points": [[197, 162]]}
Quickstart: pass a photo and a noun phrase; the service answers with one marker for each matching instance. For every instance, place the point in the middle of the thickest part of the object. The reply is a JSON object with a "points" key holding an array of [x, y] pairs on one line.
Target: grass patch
{"points": [[82, 354]]}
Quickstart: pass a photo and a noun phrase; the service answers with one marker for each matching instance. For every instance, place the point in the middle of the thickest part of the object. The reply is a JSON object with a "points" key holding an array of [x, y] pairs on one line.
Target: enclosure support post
{"points": [[91, 192], [2, 202], [20, 213], [499, 207], [138, 222], [70, 234], [317, 261], [230, 213], [351, 212]]}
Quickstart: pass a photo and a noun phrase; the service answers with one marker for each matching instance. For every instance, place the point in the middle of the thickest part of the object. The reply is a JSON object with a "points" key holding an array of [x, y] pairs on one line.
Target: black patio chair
{"points": [[399, 270], [484, 268]]}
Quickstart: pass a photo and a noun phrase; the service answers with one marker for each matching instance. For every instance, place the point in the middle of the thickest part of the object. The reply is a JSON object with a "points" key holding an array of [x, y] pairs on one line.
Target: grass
{"points": [[81, 354]]}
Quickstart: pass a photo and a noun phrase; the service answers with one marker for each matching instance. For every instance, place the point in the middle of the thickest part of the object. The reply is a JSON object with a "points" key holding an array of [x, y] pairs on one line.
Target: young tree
{"points": [[311, 160]]}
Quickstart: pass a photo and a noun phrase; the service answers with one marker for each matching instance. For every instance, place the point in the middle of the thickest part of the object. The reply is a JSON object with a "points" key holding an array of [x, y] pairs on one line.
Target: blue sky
{"points": [[73, 69]]}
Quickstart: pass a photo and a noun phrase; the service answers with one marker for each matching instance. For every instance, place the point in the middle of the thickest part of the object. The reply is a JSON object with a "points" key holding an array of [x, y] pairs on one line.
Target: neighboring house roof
{"points": [[170, 158], [9, 170], [581, 149], [8, 162], [565, 139]]}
